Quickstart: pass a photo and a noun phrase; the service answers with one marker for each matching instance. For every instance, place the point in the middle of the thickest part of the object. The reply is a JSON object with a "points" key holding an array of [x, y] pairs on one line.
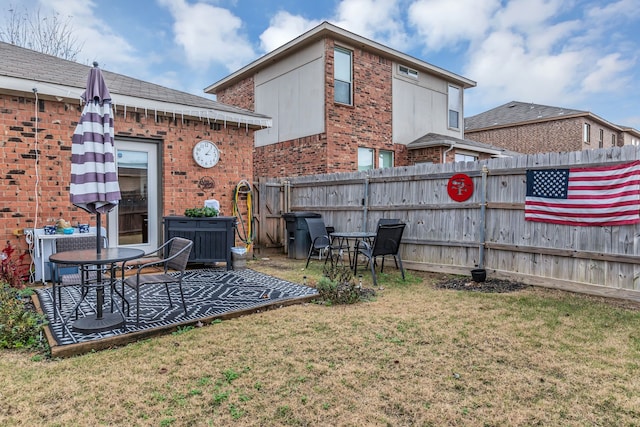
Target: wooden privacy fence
{"points": [[488, 229]]}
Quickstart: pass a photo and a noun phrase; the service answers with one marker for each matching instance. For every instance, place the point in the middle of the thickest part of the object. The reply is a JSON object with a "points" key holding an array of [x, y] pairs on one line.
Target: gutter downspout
{"points": [[444, 155]]}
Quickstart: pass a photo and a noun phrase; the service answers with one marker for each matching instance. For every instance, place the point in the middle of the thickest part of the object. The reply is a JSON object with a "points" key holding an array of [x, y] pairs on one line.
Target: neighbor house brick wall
{"points": [[549, 136], [425, 155], [368, 122], [301, 156], [365, 124], [27, 193], [241, 94]]}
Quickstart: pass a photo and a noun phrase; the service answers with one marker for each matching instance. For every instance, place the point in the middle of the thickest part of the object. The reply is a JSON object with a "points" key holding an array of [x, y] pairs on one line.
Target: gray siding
{"points": [[420, 107], [292, 92]]}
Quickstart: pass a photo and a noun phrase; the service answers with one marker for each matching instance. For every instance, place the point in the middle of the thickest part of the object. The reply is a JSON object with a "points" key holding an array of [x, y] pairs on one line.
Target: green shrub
{"points": [[20, 327], [338, 287]]}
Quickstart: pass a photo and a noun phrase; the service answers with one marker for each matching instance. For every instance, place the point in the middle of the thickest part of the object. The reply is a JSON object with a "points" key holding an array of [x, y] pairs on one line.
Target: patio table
{"points": [[88, 258], [356, 237]]}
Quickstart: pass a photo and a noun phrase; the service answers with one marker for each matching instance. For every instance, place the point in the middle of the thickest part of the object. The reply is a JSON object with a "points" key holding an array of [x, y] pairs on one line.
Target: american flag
{"points": [[595, 196]]}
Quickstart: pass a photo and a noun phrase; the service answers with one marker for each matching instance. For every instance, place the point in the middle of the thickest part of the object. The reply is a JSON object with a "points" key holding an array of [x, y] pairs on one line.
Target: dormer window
{"points": [[406, 71]]}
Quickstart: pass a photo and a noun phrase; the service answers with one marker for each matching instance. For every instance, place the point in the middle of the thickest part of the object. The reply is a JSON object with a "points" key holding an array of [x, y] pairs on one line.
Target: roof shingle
{"points": [[25, 64], [517, 112]]}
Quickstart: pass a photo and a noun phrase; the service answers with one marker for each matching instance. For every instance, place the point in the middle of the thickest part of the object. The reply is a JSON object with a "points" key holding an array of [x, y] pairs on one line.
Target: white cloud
{"points": [[615, 10], [506, 71], [537, 51], [526, 15], [209, 34], [606, 74], [444, 23], [378, 20], [284, 27]]}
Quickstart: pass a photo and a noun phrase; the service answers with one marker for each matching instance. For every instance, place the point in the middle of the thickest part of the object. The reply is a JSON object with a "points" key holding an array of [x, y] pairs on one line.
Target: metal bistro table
{"points": [[355, 236], [90, 257]]}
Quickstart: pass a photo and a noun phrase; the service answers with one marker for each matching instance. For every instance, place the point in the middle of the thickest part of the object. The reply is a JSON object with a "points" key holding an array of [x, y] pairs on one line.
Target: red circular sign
{"points": [[460, 187]]}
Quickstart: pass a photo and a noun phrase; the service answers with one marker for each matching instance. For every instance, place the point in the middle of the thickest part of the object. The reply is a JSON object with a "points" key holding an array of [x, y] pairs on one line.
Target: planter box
{"points": [[213, 237]]}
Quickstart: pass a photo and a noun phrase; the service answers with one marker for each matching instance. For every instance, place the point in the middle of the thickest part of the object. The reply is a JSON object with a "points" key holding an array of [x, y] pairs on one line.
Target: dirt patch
{"points": [[489, 285]]}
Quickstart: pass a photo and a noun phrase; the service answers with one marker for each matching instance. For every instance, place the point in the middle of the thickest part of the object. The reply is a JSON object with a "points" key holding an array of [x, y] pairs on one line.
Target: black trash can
{"points": [[298, 239]]}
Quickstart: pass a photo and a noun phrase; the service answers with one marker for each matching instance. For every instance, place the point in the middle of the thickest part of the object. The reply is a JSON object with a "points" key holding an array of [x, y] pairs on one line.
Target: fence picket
{"points": [[444, 235]]}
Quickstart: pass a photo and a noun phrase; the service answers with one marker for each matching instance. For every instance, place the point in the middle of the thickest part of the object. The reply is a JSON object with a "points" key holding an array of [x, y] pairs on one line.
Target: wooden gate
{"points": [[270, 204]]}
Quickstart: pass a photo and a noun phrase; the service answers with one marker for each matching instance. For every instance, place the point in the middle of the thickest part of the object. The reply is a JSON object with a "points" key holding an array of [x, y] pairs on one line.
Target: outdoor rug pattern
{"points": [[208, 293]]}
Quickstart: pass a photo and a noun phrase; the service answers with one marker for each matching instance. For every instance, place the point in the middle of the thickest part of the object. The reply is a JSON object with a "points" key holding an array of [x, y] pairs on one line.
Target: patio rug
{"points": [[208, 293]]}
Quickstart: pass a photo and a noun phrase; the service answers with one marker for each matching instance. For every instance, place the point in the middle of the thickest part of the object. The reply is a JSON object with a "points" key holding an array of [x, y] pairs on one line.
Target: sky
{"points": [[580, 54]]}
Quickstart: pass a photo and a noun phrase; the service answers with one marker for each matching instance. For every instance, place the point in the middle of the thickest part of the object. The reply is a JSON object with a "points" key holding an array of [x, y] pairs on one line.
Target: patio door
{"points": [[135, 222]]}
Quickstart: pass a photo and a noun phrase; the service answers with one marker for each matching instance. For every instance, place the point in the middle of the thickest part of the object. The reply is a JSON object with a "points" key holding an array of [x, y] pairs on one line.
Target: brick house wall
{"points": [[240, 95], [296, 157], [56, 124], [549, 136], [426, 155], [434, 155], [367, 123]]}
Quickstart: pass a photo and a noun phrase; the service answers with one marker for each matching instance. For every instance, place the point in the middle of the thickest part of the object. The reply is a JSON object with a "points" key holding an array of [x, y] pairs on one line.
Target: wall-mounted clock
{"points": [[206, 154]]}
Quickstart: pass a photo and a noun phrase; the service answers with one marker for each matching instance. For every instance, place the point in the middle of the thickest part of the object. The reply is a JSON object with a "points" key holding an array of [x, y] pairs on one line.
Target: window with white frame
{"points": [[342, 77], [613, 140], [601, 139], [586, 133], [465, 157], [385, 159], [454, 107], [365, 158], [406, 71]]}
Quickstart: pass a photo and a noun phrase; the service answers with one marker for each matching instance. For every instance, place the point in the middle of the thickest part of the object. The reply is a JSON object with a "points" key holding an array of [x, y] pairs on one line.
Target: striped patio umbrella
{"points": [[94, 177]]}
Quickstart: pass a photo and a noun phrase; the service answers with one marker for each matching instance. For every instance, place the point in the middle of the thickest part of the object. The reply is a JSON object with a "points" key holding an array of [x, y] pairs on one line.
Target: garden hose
{"points": [[247, 234]]}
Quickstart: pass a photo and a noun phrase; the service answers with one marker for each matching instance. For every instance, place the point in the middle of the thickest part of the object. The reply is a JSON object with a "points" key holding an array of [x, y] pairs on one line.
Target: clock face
{"points": [[206, 154]]}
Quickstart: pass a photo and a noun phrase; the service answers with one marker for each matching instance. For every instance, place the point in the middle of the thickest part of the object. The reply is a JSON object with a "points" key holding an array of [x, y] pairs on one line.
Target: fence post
{"points": [[483, 217], [365, 202], [286, 207]]}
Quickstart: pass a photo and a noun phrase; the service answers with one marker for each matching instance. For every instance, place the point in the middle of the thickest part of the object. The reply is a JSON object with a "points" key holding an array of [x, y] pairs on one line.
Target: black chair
{"points": [[174, 255], [386, 242], [69, 275], [389, 221], [320, 240]]}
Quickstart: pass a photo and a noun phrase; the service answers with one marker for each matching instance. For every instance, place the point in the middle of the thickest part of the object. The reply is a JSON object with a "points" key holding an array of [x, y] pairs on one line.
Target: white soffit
{"points": [[135, 104]]}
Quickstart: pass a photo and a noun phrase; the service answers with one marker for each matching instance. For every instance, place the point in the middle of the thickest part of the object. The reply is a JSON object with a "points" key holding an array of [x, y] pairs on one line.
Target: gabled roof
{"points": [[23, 70], [325, 30], [438, 140], [519, 113]]}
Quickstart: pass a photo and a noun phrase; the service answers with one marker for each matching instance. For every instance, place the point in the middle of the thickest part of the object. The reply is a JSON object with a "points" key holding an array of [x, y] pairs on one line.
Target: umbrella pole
{"points": [[99, 289], [98, 232]]}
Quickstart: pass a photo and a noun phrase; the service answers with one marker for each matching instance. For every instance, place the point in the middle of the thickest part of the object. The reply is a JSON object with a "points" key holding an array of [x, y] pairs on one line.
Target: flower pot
{"points": [[479, 275]]}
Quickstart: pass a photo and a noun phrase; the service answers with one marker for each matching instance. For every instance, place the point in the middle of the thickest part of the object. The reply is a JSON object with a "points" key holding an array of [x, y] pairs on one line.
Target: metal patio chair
{"points": [[386, 242], [321, 242], [174, 255], [389, 221]]}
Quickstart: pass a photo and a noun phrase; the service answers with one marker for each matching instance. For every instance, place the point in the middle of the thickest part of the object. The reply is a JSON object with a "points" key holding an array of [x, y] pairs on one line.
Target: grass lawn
{"points": [[415, 355]]}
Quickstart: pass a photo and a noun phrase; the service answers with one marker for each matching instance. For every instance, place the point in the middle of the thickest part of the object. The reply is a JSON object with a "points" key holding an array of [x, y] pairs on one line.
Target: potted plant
{"points": [[201, 212], [479, 275]]}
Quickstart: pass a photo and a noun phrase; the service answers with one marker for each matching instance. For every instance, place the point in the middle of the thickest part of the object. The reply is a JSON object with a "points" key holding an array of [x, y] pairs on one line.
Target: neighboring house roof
{"points": [[519, 113], [25, 70], [329, 30], [438, 140]]}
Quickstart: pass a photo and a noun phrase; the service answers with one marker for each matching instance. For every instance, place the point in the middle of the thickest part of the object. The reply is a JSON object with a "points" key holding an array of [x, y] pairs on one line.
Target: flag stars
{"points": [[551, 183]]}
